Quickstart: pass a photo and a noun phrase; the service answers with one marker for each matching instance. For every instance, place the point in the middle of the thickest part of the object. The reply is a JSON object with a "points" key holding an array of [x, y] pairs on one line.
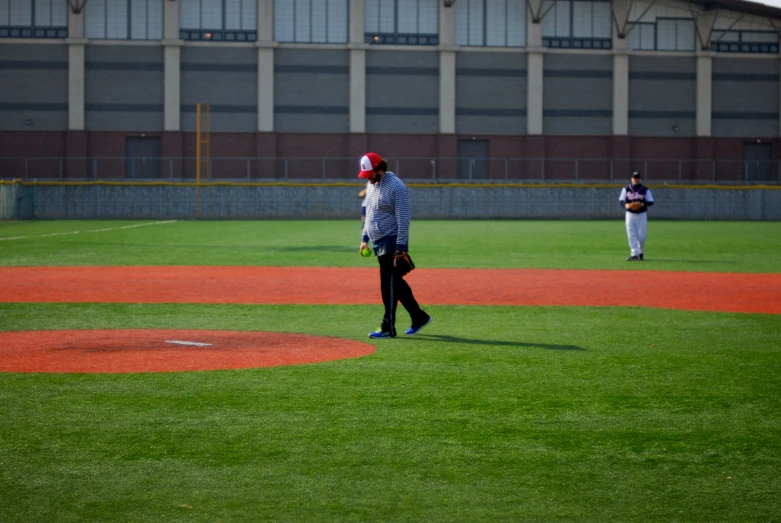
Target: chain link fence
{"points": [[530, 170]]}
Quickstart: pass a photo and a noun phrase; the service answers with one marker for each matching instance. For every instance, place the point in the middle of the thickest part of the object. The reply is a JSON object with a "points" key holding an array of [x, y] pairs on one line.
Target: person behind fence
{"points": [[636, 199], [387, 226]]}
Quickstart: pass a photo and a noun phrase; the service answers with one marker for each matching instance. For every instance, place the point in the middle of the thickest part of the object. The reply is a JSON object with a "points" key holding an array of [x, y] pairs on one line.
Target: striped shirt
{"points": [[387, 212]]}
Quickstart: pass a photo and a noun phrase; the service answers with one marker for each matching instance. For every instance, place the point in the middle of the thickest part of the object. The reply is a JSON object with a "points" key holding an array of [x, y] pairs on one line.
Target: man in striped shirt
{"points": [[387, 226]]}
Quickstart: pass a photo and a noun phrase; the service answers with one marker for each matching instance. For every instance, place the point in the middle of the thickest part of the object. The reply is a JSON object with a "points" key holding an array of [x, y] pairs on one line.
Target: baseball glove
{"points": [[635, 206], [403, 262], [362, 194]]}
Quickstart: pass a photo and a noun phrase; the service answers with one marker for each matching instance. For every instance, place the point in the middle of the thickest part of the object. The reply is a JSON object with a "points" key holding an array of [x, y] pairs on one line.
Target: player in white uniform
{"points": [[636, 198]]}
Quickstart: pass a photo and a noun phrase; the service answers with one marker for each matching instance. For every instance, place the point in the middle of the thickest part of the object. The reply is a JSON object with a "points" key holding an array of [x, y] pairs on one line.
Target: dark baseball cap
{"points": [[636, 175]]}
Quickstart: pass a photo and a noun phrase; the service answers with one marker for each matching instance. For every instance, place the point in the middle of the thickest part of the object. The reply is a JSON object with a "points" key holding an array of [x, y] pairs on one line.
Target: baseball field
{"points": [[221, 371]]}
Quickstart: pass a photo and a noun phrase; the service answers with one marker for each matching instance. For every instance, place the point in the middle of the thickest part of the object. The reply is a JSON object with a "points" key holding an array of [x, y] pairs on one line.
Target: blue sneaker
{"points": [[417, 328], [380, 334]]}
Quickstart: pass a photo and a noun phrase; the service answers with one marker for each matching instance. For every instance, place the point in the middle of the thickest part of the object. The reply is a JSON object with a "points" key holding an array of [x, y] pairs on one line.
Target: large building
{"points": [[613, 84]]}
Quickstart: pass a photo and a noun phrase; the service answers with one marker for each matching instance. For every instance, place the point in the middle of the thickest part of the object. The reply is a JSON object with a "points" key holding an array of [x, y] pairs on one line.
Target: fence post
{"points": [[745, 171], [645, 169], [398, 171], [542, 169], [680, 173], [285, 168], [713, 168], [433, 168], [577, 164], [323, 167], [26, 168], [471, 163], [61, 173], [95, 168], [506, 169], [171, 168], [248, 168], [611, 170]]}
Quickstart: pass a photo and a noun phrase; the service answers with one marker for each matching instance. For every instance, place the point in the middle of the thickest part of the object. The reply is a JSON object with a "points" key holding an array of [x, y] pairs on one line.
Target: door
{"points": [[758, 161], [473, 159], [142, 157]]}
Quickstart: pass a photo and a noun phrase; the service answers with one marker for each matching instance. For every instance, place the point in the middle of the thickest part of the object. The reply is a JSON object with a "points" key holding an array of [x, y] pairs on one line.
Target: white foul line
{"points": [[194, 343], [93, 230]]}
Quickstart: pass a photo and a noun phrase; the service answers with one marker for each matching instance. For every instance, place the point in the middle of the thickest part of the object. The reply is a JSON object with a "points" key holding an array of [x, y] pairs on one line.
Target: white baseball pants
{"points": [[637, 231]]}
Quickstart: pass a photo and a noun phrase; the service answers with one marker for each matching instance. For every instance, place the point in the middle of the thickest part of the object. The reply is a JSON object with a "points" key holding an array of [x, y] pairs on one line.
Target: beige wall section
{"points": [[170, 20], [534, 80], [76, 43], [265, 20], [447, 92], [447, 25], [620, 94], [357, 91], [357, 21], [704, 94], [265, 89]]}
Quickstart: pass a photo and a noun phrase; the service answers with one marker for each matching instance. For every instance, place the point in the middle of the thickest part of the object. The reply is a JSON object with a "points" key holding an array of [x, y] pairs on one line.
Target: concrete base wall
{"points": [[342, 202]]}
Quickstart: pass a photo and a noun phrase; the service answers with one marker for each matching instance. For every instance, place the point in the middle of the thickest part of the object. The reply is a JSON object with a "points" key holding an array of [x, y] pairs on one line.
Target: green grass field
{"points": [[491, 414]]}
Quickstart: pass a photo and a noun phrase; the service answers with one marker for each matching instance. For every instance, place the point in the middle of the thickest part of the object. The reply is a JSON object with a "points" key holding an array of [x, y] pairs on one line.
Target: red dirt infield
{"points": [[704, 291], [119, 351]]}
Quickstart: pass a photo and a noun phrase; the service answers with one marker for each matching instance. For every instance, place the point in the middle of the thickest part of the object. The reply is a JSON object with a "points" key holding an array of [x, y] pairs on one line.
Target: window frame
{"points": [[638, 25], [310, 41], [723, 47], [129, 36], [397, 38], [217, 35], [33, 30], [676, 19], [579, 42], [506, 28]]}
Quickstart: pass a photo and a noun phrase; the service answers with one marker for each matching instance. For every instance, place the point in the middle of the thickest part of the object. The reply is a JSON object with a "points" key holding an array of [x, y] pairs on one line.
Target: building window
{"points": [[402, 22], [124, 19], [576, 24], [218, 20], [33, 19], [745, 41], [674, 34], [642, 36], [493, 23], [311, 21]]}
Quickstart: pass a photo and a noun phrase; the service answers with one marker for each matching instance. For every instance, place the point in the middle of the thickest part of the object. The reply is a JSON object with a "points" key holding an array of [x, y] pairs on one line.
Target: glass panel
{"points": [[155, 28], [685, 30], [249, 15], [388, 16], [371, 18], [211, 14], [319, 19], [407, 16], [43, 13], [4, 12], [283, 21], [476, 22], [496, 23], [189, 13], [516, 23], [725, 36], [337, 21], [21, 12], [116, 16], [603, 20], [232, 14], [563, 10], [648, 37], [303, 22], [635, 38], [138, 18], [95, 19], [59, 13], [666, 35], [747, 36], [462, 22], [582, 20], [428, 18]]}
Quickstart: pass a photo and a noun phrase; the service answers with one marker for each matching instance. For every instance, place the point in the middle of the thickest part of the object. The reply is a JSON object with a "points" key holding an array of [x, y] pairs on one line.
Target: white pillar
{"points": [[534, 70], [620, 93], [172, 59], [357, 91], [265, 20], [447, 25], [704, 94], [357, 21], [75, 43], [447, 92]]}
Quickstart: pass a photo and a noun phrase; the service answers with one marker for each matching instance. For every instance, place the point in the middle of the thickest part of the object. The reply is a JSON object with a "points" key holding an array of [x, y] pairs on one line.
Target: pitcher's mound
{"points": [[166, 350]]}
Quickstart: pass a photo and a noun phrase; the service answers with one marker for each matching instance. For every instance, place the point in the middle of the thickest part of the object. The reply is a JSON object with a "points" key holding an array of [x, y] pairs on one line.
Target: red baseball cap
{"points": [[369, 162]]}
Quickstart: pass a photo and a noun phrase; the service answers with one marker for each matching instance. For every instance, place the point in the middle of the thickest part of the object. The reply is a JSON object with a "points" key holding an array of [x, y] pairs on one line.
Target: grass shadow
{"points": [[516, 344]]}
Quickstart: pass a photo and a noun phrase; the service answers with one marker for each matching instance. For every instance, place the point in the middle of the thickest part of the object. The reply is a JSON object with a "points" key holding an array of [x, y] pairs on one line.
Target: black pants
{"points": [[394, 290]]}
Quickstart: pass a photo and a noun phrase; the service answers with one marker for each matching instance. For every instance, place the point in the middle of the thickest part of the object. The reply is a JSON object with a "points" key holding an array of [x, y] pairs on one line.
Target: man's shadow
{"points": [[516, 344]]}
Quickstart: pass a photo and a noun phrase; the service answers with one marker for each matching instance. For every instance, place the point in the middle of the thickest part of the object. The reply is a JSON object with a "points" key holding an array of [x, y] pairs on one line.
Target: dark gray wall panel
{"points": [[227, 79], [311, 90], [402, 92], [123, 88], [745, 97], [34, 87], [662, 96], [490, 93], [577, 94]]}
